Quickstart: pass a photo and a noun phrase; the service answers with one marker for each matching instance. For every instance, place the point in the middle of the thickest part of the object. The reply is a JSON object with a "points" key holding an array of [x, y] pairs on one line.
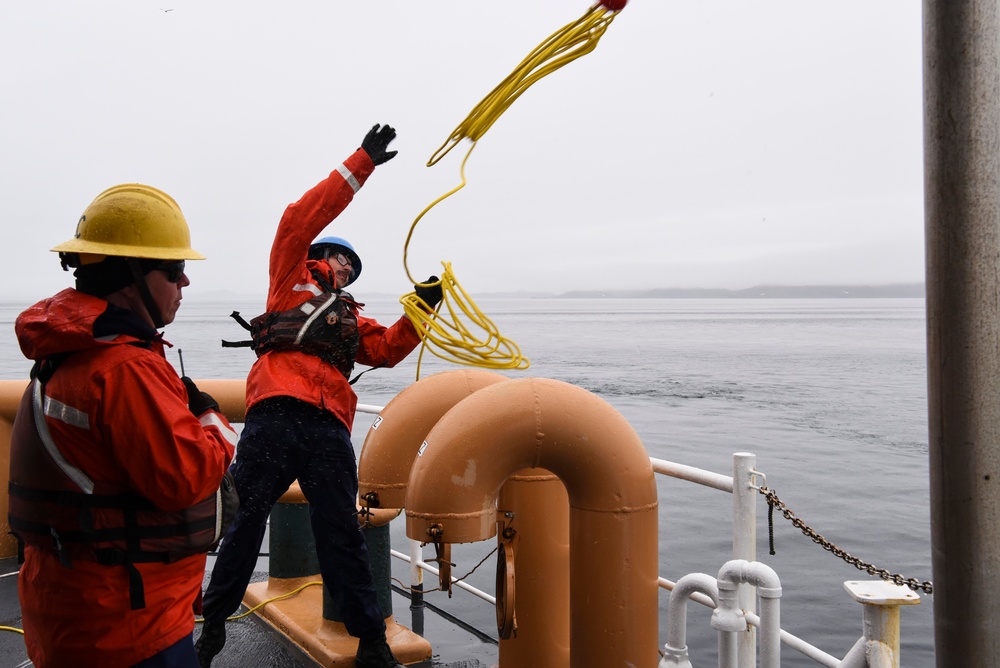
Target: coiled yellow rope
{"points": [[455, 341], [448, 338]]}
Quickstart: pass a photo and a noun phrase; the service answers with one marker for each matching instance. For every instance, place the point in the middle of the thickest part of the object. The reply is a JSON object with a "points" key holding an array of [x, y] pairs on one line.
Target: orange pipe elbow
{"points": [[521, 424], [539, 423], [399, 430]]}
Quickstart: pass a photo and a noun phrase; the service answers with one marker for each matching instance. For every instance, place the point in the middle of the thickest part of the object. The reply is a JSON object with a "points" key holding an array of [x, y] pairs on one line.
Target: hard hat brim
{"points": [[120, 250]]}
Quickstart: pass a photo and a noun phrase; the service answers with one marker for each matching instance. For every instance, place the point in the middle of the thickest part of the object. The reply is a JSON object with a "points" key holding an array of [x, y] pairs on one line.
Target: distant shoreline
{"points": [[901, 290], [887, 291]]}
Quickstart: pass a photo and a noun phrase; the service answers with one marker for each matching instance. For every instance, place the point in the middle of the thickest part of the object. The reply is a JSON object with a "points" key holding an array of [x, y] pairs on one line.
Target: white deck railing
{"points": [[882, 636], [877, 647]]}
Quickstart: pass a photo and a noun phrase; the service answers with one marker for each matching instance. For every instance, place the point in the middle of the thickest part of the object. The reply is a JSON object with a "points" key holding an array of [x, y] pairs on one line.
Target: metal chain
{"points": [[773, 501], [454, 581]]}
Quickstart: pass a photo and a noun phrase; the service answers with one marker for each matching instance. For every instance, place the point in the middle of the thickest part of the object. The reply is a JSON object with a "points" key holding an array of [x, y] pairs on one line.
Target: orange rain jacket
{"points": [[297, 374], [120, 414]]}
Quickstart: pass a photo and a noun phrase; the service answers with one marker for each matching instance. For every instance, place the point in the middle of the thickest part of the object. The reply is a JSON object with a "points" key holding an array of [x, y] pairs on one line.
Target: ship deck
{"points": [[251, 643]]}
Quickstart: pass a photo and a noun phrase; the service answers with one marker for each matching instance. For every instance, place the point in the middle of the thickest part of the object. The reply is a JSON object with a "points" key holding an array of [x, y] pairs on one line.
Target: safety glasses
{"points": [[173, 270], [339, 257]]}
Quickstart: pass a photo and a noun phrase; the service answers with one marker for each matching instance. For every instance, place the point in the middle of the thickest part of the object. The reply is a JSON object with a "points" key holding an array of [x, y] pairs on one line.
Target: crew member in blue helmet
{"points": [[300, 408]]}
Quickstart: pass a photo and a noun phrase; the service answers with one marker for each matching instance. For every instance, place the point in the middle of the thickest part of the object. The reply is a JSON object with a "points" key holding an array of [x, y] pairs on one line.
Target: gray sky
{"points": [[702, 144]]}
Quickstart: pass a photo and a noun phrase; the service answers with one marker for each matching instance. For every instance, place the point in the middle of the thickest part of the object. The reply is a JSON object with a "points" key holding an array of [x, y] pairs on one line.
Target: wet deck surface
{"points": [[12, 652], [251, 645]]}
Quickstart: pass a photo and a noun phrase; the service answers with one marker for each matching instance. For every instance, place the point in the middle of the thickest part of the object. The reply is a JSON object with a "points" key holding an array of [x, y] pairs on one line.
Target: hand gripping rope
{"points": [[450, 340]]}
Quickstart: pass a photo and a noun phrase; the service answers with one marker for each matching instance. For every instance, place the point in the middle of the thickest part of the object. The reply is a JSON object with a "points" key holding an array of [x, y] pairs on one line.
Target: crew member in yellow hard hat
{"points": [[116, 462]]}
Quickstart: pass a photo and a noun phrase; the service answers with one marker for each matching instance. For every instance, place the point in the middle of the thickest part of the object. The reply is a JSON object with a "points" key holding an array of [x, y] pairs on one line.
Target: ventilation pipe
{"points": [[535, 497], [541, 423], [675, 652], [729, 618], [400, 428]]}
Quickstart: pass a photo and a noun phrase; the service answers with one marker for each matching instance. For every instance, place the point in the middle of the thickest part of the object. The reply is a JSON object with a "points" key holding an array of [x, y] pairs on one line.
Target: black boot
{"points": [[375, 653], [210, 643]]}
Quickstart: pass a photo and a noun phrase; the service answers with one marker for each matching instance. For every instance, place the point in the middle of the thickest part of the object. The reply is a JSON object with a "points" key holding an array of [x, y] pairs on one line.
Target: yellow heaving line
{"points": [[480, 344]]}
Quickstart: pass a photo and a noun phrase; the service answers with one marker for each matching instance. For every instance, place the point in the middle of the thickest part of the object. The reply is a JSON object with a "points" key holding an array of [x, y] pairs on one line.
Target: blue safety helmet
{"points": [[323, 247]]}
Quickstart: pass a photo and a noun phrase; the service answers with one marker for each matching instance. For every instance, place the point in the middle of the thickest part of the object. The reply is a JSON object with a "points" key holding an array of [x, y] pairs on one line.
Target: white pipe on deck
{"points": [[729, 618], [745, 546], [675, 652]]}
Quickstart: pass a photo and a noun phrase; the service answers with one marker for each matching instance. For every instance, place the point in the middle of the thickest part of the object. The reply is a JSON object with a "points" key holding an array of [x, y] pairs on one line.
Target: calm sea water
{"points": [[830, 394]]}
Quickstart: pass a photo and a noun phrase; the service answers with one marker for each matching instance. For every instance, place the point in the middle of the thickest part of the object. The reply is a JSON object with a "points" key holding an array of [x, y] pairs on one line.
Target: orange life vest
{"points": [[54, 509], [326, 326]]}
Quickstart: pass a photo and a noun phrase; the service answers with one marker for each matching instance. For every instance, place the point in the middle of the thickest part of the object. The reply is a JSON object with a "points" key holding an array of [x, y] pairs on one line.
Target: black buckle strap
{"points": [[136, 590], [235, 315]]}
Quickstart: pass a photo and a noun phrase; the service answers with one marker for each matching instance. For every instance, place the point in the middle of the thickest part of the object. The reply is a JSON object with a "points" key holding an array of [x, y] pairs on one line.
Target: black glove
{"points": [[198, 401], [376, 141], [431, 294]]}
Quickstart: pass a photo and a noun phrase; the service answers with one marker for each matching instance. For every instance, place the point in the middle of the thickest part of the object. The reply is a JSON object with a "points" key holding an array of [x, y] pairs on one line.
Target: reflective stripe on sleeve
{"points": [[351, 181], [308, 287], [211, 419]]}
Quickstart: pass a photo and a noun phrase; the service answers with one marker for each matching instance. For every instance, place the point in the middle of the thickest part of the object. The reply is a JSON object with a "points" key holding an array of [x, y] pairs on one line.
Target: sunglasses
{"points": [[173, 270]]}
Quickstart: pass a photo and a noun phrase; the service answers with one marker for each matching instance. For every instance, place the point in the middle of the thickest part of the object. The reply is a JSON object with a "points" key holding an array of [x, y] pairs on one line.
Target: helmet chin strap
{"points": [[144, 293]]}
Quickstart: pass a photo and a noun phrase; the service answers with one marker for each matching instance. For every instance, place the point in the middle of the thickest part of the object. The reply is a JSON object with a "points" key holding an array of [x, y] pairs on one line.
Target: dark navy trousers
{"points": [[285, 439], [179, 655]]}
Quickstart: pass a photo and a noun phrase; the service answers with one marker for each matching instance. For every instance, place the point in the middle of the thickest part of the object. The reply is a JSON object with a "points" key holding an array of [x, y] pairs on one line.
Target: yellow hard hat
{"points": [[132, 220]]}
